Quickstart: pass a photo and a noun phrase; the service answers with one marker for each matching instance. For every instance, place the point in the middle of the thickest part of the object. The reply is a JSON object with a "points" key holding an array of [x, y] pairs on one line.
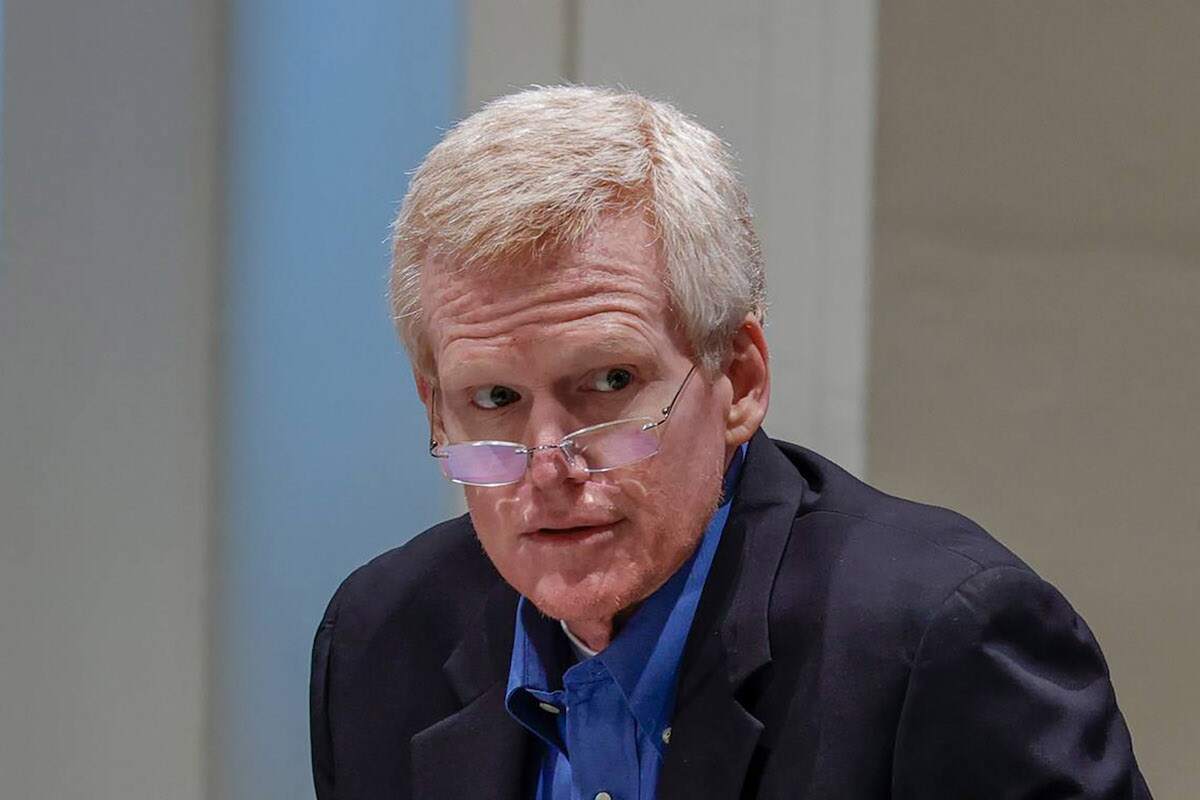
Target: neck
{"points": [[597, 634]]}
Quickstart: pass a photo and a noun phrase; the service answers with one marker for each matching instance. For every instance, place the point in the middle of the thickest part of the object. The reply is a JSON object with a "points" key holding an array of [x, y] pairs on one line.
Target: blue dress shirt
{"points": [[603, 723]]}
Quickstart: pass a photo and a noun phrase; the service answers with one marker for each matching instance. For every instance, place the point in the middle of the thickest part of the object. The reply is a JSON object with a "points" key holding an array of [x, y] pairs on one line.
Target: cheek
{"points": [[671, 504], [680, 476], [493, 515]]}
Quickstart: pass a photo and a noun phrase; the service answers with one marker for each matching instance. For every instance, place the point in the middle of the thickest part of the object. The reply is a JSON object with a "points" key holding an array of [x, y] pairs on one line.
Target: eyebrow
{"points": [[611, 346]]}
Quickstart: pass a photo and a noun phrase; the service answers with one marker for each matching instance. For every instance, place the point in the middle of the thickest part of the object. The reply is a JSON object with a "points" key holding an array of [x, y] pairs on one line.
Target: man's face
{"points": [[531, 354]]}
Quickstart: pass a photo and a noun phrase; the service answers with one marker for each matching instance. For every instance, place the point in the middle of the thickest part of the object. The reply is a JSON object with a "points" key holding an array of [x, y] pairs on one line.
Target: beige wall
{"points": [[107, 325], [1035, 346]]}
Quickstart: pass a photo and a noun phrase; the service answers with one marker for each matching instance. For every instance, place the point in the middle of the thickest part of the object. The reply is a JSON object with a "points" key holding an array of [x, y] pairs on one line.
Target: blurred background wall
{"points": [[979, 222], [1035, 345], [108, 388]]}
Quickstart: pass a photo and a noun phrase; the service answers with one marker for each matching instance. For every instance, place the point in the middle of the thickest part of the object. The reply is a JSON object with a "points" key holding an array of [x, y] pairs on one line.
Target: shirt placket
{"points": [[601, 736]]}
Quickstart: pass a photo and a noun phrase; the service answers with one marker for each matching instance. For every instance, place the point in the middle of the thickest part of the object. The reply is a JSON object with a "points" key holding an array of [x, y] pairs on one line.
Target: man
{"points": [[649, 597]]}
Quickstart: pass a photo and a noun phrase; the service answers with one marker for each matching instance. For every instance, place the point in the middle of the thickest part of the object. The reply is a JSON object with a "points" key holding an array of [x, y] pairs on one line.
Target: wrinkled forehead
{"points": [[624, 244], [613, 283], [535, 281]]}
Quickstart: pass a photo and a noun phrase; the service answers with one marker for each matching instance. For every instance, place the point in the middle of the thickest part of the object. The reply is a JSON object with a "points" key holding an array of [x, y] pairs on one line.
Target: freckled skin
{"points": [[529, 327]]}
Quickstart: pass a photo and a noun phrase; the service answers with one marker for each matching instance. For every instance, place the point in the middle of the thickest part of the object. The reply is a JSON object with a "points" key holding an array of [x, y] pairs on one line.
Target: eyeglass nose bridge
{"points": [[566, 446]]}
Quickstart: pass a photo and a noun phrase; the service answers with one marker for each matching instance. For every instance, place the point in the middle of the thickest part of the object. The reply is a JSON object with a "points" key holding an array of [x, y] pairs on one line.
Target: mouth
{"points": [[575, 534]]}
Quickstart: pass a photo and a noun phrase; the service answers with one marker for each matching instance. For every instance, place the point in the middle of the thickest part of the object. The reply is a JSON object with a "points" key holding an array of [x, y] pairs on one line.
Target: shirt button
{"points": [[603, 796], [548, 707], [666, 735]]}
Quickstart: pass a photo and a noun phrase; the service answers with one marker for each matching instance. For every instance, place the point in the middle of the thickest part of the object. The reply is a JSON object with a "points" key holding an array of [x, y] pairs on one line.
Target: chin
{"points": [[596, 596]]}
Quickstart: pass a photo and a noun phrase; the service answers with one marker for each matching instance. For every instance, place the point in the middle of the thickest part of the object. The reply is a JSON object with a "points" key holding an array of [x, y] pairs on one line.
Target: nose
{"points": [[553, 466]]}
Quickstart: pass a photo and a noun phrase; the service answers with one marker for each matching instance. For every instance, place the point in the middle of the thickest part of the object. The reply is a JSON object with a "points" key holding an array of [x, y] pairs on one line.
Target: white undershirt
{"points": [[582, 651]]}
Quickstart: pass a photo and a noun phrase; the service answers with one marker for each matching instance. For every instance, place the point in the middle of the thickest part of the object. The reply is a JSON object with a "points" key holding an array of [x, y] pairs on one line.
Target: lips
{"points": [[569, 524], [571, 532]]}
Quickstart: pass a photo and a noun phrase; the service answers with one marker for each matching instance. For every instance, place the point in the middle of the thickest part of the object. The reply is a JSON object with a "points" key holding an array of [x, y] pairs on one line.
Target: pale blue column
{"points": [[323, 463]]}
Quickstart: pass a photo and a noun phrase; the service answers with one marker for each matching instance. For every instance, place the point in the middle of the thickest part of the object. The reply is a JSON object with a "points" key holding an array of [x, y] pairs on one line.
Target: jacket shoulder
{"points": [[894, 525], [378, 660], [883, 559], [913, 636], [438, 577]]}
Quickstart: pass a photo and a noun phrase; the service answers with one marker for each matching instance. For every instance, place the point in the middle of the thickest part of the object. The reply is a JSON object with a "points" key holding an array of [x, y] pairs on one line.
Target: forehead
{"points": [[608, 294]]}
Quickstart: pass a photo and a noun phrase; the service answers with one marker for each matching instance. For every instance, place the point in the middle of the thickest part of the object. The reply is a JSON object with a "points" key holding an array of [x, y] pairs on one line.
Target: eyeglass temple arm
{"points": [[666, 412]]}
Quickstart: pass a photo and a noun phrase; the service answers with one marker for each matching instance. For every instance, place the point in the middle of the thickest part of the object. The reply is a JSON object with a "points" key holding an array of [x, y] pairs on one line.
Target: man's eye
{"points": [[495, 397], [612, 380]]}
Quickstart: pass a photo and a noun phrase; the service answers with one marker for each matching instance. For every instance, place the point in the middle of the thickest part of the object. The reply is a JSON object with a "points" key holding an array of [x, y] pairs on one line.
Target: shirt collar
{"points": [[581, 650], [643, 659]]}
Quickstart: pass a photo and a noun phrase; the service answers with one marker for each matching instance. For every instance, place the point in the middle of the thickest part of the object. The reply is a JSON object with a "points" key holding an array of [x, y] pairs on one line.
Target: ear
{"points": [[749, 375], [425, 389], [424, 386]]}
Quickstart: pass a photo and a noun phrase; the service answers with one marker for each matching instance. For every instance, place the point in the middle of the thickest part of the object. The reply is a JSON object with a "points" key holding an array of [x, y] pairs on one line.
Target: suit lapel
{"points": [[713, 735], [478, 751]]}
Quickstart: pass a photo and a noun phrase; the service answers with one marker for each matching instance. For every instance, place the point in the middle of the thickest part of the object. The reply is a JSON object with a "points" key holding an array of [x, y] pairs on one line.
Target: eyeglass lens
{"points": [[483, 463], [605, 447]]}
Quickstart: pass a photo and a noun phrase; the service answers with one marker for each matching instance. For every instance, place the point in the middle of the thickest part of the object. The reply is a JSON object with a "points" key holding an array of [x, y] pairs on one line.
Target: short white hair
{"points": [[532, 173]]}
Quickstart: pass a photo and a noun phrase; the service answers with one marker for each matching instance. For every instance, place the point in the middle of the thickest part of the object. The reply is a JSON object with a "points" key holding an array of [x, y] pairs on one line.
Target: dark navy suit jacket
{"points": [[848, 644]]}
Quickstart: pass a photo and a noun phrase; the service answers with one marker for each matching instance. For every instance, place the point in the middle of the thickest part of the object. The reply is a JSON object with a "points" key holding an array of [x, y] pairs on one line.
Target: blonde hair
{"points": [[532, 173]]}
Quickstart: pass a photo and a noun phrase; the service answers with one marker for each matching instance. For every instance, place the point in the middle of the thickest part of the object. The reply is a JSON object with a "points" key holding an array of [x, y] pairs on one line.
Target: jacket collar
{"points": [[713, 735], [760, 523]]}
